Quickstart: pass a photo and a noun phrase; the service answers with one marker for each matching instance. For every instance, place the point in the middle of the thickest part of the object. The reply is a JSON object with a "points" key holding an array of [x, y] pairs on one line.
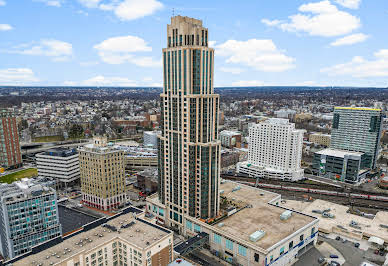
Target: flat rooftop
{"points": [[71, 219], [339, 153], [262, 216], [369, 227], [138, 233]]}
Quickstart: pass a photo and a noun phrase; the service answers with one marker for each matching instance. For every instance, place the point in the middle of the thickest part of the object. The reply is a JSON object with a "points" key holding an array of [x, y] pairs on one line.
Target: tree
{"points": [[76, 131]]}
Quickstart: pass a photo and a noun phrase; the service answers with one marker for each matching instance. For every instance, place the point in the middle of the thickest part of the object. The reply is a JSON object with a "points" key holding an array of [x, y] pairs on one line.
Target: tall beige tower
{"points": [[189, 149], [102, 175]]}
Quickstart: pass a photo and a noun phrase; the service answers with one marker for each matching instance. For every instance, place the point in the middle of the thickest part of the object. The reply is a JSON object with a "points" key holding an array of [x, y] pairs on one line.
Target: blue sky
{"points": [[257, 42]]}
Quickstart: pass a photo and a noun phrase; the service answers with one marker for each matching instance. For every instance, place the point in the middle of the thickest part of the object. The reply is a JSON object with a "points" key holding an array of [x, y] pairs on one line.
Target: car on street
{"points": [[357, 245], [333, 256], [338, 238]]}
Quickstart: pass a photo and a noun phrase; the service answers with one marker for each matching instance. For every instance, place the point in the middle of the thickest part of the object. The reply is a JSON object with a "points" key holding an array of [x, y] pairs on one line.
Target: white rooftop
{"points": [[339, 153]]}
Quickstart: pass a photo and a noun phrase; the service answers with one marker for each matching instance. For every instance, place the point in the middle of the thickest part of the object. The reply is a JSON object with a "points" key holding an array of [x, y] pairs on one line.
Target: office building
{"points": [[357, 129], [10, 154], [124, 239], [252, 230], [150, 138], [189, 149], [102, 175], [60, 164], [28, 216], [230, 139], [320, 139], [275, 150], [345, 166]]}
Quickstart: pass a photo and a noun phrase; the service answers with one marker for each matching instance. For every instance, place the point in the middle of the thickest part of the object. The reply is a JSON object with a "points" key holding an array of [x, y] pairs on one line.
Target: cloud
{"points": [[5, 27], [2, 3], [248, 83], [103, 81], [318, 19], [350, 39], [10, 76], [212, 43], [232, 70], [353, 4], [359, 67], [55, 3], [119, 50], [262, 55], [126, 9], [89, 3], [57, 50]]}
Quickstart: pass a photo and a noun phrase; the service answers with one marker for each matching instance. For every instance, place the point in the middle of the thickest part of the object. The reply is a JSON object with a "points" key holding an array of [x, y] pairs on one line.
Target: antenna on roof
{"points": [[173, 11]]}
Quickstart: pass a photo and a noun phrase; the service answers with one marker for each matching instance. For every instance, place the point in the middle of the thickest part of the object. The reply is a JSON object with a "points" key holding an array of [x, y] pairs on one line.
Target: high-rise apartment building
{"points": [[60, 164], [357, 129], [28, 217], [275, 150], [102, 175], [10, 154], [189, 149]]}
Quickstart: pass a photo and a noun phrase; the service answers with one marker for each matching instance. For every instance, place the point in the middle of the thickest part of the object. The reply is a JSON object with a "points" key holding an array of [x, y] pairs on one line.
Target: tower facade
{"points": [[102, 175], [275, 150], [10, 154], [188, 147], [357, 129]]}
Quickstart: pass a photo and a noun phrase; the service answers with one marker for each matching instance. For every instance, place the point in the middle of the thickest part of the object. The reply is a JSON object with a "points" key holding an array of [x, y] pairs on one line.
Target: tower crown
{"points": [[185, 31]]}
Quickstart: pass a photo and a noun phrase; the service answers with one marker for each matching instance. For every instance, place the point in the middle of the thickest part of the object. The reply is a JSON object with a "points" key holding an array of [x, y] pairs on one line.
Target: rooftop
{"points": [[368, 227], [138, 232], [358, 108], [339, 153], [26, 188], [261, 215], [60, 152]]}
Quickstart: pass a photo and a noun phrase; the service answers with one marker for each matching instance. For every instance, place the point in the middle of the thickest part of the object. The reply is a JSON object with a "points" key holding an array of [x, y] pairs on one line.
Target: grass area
{"points": [[48, 139], [31, 172]]}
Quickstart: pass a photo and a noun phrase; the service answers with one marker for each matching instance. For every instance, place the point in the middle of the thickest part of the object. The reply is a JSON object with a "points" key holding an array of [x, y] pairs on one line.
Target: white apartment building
{"points": [[150, 138], [60, 164], [275, 150]]}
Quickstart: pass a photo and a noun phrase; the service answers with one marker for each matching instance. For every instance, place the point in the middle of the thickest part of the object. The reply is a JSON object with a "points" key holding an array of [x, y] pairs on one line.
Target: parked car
{"points": [[321, 260], [338, 238], [334, 263], [333, 256], [377, 252], [381, 252], [344, 240], [357, 245]]}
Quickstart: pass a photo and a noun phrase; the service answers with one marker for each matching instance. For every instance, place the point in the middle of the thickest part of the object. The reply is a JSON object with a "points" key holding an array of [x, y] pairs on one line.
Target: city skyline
{"points": [[107, 43]]}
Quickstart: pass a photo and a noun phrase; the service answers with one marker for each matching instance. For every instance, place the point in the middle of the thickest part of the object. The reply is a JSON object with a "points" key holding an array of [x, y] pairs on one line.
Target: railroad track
{"points": [[327, 187]]}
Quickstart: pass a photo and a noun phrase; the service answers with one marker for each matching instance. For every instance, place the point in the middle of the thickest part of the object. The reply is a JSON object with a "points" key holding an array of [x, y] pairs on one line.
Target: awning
{"points": [[376, 240]]}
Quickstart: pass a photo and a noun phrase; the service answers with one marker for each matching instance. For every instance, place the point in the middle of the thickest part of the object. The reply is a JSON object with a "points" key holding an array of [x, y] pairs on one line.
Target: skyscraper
{"points": [[275, 150], [357, 129], [10, 155], [189, 149], [102, 175]]}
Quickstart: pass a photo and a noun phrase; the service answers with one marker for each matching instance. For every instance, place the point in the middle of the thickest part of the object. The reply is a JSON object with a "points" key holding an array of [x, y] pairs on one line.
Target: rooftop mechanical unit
{"points": [[285, 215], [256, 236]]}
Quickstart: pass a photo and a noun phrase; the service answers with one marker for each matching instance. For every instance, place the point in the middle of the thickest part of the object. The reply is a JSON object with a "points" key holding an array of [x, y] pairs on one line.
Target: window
{"points": [[271, 258], [312, 230], [257, 257], [229, 244], [189, 225], [197, 228], [242, 250], [217, 239], [291, 245], [301, 237], [282, 251]]}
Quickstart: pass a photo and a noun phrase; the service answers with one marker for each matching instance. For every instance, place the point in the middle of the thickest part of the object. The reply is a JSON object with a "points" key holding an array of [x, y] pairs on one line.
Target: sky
{"points": [[257, 42]]}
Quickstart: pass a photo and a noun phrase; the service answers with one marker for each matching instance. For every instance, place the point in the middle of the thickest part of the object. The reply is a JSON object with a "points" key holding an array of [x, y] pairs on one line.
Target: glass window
{"points": [[229, 244], [217, 239], [281, 250], [189, 225], [242, 250], [197, 228]]}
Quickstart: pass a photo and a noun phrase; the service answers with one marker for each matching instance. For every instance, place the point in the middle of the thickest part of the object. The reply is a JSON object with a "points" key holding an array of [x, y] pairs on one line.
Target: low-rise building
{"points": [[140, 157], [320, 139], [147, 180], [60, 164], [28, 216], [124, 239], [345, 166], [255, 231]]}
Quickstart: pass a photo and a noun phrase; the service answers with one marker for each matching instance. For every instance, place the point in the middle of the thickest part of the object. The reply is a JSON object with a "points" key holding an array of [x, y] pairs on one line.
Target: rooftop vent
{"points": [[285, 215], [256, 236], [236, 188], [220, 225]]}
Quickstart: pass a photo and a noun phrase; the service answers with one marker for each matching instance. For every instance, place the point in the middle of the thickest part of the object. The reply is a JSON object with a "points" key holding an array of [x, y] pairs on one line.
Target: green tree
{"points": [[76, 131]]}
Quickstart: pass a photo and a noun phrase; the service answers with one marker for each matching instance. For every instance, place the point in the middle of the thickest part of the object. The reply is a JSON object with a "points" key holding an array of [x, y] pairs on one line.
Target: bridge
{"points": [[192, 244]]}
